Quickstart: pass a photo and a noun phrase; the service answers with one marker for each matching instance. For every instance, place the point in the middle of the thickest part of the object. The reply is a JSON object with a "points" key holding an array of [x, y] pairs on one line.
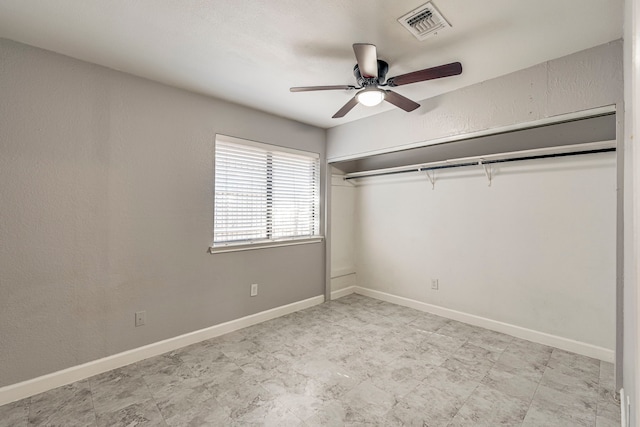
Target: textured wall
{"points": [[107, 209], [587, 79]]}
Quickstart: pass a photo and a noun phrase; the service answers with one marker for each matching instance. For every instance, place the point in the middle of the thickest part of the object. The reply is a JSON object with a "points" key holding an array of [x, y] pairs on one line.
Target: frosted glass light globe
{"points": [[370, 97]]}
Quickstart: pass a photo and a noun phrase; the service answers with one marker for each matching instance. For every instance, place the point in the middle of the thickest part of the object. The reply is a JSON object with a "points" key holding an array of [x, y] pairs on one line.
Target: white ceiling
{"points": [[251, 51]]}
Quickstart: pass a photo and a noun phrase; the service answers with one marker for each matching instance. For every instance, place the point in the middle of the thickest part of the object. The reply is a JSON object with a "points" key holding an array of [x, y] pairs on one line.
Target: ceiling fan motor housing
{"points": [[383, 67]]}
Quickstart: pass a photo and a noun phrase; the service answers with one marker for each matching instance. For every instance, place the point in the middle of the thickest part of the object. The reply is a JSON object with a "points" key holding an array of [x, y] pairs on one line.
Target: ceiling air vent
{"points": [[424, 21]]}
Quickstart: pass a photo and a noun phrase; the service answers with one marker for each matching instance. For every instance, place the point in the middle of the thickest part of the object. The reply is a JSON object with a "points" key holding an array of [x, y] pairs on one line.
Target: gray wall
{"points": [[107, 209]]}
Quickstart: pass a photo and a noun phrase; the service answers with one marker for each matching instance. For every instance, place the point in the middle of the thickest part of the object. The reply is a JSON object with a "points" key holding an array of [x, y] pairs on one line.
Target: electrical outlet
{"points": [[141, 318], [254, 289], [434, 284]]}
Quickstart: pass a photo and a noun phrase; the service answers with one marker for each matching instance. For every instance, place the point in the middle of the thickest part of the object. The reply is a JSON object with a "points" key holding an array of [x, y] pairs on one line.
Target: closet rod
{"points": [[486, 162]]}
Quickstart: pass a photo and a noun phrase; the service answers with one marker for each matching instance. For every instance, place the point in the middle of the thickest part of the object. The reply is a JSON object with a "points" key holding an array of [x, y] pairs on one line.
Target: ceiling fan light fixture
{"points": [[370, 97], [370, 73]]}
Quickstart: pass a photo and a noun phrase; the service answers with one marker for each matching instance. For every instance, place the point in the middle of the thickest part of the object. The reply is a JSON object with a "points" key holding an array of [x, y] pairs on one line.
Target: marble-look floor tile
{"points": [[15, 414], [238, 350], [429, 322], [520, 366], [280, 344], [607, 406], [219, 375], [326, 413], [402, 317], [401, 376], [606, 422], [491, 340], [168, 375], [337, 379], [353, 323], [342, 307], [242, 399], [337, 413], [206, 360], [575, 365], [379, 324], [489, 407], [195, 406], [444, 342], [564, 407], [447, 381], [304, 404], [362, 366], [380, 355], [366, 398], [473, 352], [158, 363], [355, 300], [459, 330], [138, 414], [433, 407], [409, 335], [200, 353], [285, 382], [510, 383], [606, 378], [118, 389], [321, 312], [529, 351], [261, 365], [562, 381], [69, 405], [268, 415], [333, 351], [472, 369], [429, 353], [179, 389], [546, 417]]}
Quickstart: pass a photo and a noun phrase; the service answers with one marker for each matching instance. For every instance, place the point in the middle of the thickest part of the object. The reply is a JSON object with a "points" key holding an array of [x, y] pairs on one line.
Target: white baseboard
{"points": [[343, 292], [50, 381], [567, 344]]}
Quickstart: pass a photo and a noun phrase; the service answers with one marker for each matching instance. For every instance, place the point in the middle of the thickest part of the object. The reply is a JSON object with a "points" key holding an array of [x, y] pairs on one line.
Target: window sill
{"points": [[264, 245]]}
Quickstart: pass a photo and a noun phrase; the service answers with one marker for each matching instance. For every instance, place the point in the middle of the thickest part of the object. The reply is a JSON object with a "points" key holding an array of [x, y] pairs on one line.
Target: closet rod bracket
{"points": [[431, 175], [487, 170]]}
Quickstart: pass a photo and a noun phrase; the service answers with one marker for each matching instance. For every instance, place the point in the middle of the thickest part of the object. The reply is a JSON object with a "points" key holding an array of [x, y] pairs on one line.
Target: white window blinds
{"points": [[264, 193]]}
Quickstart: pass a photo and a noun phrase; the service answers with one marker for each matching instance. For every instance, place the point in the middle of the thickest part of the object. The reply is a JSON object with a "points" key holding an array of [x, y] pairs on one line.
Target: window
{"points": [[264, 195]]}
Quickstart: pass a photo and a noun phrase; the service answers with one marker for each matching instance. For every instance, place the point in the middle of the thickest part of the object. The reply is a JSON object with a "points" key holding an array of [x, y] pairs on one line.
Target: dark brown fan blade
{"points": [[400, 101], [346, 108], [367, 59], [446, 70], [311, 88]]}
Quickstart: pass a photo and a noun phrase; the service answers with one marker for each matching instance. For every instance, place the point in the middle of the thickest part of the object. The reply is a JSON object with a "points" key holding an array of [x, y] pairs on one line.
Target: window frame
{"points": [[236, 246]]}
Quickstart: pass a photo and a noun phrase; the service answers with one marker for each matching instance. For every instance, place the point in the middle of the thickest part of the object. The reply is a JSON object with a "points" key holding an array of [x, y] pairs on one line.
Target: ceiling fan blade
{"points": [[346, 108], [367, 59], [446, 70], [400, 101], [311, 88]]}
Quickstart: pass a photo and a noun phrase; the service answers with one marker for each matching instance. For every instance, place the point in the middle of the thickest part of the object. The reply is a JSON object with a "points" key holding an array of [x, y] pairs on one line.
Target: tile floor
{"points": [[356, 361]]}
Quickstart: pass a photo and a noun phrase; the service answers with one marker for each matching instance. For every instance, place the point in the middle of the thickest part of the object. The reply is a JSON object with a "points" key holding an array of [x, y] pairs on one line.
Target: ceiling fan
{"points": [[370, 73]]}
